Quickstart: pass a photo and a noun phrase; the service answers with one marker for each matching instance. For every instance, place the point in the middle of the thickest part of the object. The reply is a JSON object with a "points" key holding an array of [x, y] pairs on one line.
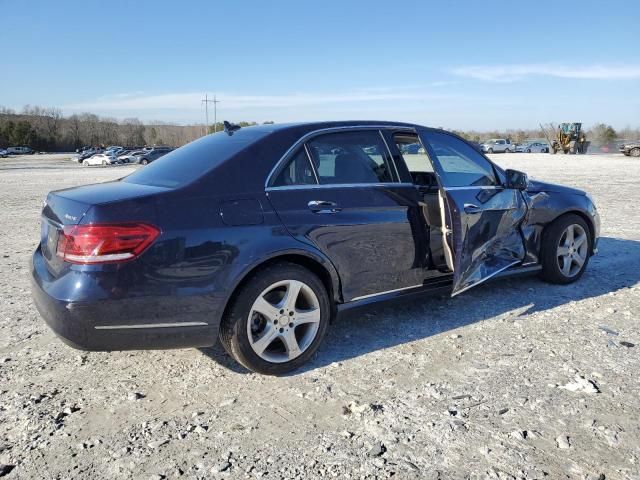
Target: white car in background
{"points": [[535, 147], [130, 156], [100, 159], [498, 145]]}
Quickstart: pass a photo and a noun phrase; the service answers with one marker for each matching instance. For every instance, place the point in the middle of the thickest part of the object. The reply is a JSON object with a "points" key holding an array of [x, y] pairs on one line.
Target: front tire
{"points": [[566, 247], [277, 320], [635, 152], [490, 150]]}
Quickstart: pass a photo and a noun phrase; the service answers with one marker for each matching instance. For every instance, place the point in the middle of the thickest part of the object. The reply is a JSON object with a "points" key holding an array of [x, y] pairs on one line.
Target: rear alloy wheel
{"points": [[635, 152], [566, 246], [277, 320]]}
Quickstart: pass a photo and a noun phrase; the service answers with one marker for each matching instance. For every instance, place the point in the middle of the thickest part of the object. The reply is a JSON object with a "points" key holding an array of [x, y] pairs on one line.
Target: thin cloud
{"points": [[512, 73], [193, 100]]}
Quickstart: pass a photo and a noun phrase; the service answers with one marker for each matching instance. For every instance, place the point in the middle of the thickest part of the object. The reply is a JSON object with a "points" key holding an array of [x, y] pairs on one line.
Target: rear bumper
{"points": [[123, 323]]}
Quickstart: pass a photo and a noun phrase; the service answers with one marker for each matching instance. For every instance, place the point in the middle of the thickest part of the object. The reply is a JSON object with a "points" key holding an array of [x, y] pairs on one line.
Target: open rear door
{"points": [[481, 217]]}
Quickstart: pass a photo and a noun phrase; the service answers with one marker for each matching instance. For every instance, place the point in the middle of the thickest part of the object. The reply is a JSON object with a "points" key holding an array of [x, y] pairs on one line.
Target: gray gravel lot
{"points": [[516, 379]]}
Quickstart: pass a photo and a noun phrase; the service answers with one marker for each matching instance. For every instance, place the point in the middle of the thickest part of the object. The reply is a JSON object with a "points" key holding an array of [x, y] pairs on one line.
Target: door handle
{"points": [[471, 208], [323, 206]]}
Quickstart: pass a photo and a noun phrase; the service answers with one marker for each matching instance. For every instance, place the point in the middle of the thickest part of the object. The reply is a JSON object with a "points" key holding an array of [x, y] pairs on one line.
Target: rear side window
{"points": [[296, 172], [461, 164], [351, 157], [186, 164]]}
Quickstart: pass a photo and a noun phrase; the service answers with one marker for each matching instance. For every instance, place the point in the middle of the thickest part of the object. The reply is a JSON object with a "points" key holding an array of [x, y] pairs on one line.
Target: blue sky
{"points": [[456, 64]]}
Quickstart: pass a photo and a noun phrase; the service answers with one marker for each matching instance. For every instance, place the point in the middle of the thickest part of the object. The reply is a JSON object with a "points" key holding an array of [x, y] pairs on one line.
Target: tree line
{"points": [[46, 129]]}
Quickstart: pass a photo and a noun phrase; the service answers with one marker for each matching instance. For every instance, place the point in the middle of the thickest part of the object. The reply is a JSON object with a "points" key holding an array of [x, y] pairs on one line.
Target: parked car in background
{"points": [[497, 145], [152, 155], [100, 159], [19, 151], [630, 149], [255, 237], [412, 148], [533, 147], [3, 153], [87, 154], [131, 156]]}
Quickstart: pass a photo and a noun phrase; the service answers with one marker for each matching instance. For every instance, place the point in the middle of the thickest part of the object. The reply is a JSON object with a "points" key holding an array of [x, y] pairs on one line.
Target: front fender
{"points": [[545, 207]]}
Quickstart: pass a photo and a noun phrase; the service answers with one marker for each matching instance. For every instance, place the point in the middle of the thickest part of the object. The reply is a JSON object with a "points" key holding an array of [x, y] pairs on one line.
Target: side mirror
{"points": [[517, 180]]}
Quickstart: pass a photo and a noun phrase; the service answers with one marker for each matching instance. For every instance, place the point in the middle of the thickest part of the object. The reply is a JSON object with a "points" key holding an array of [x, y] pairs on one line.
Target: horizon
{"points": [[431, 64]]}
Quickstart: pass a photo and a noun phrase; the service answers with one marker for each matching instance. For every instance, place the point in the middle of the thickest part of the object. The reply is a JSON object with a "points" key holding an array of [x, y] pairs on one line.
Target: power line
{"points": [[215, 102]]}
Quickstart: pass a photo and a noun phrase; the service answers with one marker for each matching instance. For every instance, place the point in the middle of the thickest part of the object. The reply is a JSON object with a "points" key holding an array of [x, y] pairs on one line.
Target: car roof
{"points": [[311, 126]]}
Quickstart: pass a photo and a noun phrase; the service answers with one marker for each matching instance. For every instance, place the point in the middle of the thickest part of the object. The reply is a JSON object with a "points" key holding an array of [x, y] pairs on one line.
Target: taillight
{"points": [[108, 243]]}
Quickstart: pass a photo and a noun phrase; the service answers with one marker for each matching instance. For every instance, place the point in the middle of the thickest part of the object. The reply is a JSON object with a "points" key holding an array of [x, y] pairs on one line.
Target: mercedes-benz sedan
{"points": [[258, 236]]}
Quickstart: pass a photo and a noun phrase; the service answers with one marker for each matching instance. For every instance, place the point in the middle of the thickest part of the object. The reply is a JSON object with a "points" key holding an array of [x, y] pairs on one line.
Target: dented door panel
{"points": [[486, 233]]}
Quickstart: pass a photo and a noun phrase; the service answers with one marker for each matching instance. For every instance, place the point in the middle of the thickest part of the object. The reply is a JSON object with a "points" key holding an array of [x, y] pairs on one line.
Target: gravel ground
{"points": [[517, 379]]}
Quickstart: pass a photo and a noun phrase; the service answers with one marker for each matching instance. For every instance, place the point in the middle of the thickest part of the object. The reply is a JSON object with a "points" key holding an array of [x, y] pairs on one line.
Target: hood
{"points": [[538, 186]]}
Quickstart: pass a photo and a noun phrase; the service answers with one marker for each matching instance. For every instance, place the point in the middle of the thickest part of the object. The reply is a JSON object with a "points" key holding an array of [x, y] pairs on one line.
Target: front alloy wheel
{"points": [[572, 250], [635, 152], [277, 319], [566, 246]]}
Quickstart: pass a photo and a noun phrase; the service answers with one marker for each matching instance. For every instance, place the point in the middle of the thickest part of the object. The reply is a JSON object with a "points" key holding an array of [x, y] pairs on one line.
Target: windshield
{"points": [[188, 163]]}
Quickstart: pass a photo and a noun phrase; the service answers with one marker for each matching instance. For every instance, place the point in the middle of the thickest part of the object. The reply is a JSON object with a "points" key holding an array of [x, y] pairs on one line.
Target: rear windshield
{"points": [[188, 163]]}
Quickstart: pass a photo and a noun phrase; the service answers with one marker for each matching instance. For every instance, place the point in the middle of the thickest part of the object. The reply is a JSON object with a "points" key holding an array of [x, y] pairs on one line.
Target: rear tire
{"points": [[560, 249], [266, 342]]}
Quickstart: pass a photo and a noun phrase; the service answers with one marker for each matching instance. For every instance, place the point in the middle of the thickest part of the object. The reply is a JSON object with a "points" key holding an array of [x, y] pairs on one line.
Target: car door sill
{"points": [[437, 285]]}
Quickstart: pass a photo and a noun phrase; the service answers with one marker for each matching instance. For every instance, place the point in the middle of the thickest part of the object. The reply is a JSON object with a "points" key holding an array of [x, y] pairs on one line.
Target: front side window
{"points": [[461, 164], [296, 172], [351, 157]]}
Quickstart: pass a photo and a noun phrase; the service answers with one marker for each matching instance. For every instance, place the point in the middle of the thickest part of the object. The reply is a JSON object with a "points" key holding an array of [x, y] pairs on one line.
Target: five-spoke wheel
{"points": [[283, 321], [277, 319], [566, 247]]}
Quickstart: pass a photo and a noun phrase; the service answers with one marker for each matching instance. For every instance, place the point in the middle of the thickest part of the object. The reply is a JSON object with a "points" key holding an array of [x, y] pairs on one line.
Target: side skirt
{"points": [[440, 285]]}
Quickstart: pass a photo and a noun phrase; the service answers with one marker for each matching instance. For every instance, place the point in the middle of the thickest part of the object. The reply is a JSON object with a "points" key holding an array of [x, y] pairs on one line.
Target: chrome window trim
{"points": [[321, 131], [391, 159], [339, 185], [313, 167]]}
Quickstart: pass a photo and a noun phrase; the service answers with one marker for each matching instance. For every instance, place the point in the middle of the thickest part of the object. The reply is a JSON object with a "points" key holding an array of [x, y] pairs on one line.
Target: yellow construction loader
{"points": [[568, 138]]}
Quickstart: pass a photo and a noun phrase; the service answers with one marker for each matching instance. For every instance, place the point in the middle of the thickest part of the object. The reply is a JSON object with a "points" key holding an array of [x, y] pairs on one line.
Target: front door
{"points": [[340, 193], [484, 216]]}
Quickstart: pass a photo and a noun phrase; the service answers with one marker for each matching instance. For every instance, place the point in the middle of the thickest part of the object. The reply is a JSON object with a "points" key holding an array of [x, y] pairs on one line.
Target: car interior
{"points": [[433, 209]]}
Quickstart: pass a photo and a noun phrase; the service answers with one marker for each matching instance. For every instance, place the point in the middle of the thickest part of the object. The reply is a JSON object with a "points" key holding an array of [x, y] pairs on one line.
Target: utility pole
{"points": [[215, 102]]}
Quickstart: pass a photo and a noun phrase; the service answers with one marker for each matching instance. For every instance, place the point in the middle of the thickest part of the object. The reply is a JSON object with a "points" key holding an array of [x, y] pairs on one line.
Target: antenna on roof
{"points": [[230, 127]]}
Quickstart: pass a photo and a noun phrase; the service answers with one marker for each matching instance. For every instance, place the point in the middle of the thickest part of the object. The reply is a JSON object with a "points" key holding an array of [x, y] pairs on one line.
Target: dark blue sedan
{"points": [[259, 236]]}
